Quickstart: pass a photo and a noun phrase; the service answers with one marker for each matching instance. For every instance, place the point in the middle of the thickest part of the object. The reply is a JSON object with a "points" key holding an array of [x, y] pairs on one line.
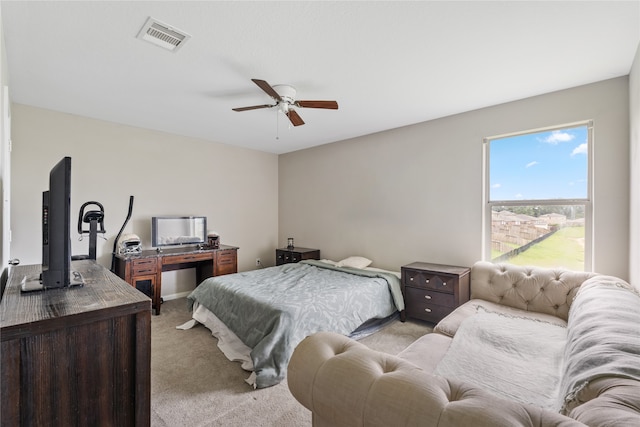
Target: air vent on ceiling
{"points": [[163, 35]]}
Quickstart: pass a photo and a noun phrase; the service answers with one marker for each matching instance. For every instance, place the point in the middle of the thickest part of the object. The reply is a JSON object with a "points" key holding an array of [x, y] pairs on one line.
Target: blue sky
{"points": [[545, 165]]}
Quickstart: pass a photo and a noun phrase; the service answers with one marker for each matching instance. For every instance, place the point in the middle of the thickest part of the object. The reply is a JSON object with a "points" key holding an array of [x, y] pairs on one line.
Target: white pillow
{"points": [[355, 262]]}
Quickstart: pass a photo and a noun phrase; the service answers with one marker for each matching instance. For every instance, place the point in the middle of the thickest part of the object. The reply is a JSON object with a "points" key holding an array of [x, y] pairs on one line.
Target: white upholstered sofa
{"points": [[533, 347]]}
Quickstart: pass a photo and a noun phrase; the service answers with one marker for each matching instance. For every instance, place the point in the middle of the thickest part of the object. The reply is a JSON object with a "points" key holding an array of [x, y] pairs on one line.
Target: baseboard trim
{"points": [[175, 296]]}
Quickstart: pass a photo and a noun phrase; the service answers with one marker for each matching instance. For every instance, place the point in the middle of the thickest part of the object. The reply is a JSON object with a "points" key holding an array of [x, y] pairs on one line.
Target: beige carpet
{"points": [[193, 384]]}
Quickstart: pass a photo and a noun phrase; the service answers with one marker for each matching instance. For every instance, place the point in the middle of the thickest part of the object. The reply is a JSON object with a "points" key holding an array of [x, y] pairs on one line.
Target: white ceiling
{"points": [[388, 64]]}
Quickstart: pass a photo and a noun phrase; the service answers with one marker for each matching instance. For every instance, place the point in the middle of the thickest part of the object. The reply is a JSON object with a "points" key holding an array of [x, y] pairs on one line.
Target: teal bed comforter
{"points": [[272, 309]]}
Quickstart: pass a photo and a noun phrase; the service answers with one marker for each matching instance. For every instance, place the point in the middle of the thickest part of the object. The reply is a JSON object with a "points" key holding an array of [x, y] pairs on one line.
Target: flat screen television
{"points": [[56, 233], [178, 230]]}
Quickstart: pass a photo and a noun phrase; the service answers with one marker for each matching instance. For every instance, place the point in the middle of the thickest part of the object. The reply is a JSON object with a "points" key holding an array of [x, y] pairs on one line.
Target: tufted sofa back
{"points": [[542, 290]]}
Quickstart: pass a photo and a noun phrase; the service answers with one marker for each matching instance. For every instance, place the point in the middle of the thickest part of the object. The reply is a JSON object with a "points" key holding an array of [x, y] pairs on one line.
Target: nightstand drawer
{"points": [[423, 309], [286, 256], [428, 280], [423, 296]]}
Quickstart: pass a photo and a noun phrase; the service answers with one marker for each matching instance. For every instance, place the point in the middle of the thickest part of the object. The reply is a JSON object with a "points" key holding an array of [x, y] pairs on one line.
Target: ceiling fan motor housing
{"points": [[287, 93]]}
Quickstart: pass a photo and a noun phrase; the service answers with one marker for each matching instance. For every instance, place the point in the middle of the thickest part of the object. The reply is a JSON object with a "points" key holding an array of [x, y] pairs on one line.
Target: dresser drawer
{"points": [[429, 306], [428, 280], [145, 266], [180, 259]]}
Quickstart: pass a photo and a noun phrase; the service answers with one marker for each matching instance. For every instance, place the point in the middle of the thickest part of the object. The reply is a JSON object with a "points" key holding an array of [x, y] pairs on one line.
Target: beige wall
{"points": [[398, 196], [236, 188], [634, 114], [414, 193]]}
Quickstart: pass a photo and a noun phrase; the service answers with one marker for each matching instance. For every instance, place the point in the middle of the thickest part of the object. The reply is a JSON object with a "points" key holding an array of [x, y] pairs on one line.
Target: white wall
{"points": [[236, 188], [634, 115], [5, 164], [414, 193]]}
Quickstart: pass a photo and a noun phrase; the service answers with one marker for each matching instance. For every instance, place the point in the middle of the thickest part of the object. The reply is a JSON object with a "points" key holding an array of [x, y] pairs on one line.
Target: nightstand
{"points": [[432, 291], [289, 255]]}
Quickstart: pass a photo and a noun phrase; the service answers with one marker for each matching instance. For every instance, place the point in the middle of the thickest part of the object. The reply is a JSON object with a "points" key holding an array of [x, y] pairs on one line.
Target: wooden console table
{"points": [[144, 270], [78, 356]]}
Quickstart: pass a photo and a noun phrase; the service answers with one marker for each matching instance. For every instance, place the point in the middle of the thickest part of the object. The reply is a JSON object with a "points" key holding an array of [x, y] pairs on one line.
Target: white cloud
{"points": [[580, 149], [559, 136], [531, 164], [519, 196], [496, 186]]}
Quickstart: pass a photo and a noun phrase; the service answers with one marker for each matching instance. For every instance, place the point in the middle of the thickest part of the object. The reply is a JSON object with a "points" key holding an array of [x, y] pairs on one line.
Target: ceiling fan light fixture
{"points": [[288, 97], [286, 92]]}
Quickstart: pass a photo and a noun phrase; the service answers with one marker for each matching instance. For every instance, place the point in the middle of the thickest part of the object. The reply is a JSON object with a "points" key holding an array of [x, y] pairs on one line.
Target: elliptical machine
{"points": [[94, 218]]}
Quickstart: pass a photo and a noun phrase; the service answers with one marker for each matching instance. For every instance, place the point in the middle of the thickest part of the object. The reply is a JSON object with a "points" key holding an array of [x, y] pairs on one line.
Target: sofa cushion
{"points": [[427, 351], [543, 290], [450, 324], [488, 342]]}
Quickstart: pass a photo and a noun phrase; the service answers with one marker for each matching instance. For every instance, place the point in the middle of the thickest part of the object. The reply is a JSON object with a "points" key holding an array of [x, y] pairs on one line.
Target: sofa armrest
{"points": [[344, 383]]}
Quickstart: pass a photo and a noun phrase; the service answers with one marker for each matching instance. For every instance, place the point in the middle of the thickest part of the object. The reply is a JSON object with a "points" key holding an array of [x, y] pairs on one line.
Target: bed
{"points": [[260, 316]]}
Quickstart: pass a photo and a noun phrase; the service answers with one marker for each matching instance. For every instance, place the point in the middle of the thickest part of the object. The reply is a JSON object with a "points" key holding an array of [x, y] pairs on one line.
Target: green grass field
{"points": [[565, 249]]}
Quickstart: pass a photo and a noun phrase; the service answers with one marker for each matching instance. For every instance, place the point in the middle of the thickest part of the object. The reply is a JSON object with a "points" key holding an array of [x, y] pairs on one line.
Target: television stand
{"points": [[75, 357], [33, 283]]}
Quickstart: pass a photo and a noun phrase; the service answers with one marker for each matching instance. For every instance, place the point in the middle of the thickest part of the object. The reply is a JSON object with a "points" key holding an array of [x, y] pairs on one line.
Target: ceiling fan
{"points": [[285, 98]]}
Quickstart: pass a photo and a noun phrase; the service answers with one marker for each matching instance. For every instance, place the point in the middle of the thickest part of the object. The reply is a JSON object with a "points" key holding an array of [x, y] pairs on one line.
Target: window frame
{"points": [[587, 202]]}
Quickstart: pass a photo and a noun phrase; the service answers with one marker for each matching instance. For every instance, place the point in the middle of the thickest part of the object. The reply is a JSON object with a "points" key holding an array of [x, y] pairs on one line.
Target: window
{"points": [[537, 197]]}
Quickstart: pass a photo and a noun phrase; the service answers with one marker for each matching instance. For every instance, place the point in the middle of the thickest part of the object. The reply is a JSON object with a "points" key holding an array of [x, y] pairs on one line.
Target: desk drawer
{"points": [[428, 280], [226, 262], [226, 257], [145, 266], [181, 259]]}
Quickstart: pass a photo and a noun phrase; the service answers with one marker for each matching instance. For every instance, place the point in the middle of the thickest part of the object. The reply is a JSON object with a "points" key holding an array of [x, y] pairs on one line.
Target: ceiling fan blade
{"points": [[254, 107], [332, 105], [295, 119], [267, 88]]}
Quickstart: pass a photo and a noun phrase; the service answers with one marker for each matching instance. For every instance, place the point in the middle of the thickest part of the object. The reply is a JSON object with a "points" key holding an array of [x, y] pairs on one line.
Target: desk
{"points": [[144, 270], [78, 356]]}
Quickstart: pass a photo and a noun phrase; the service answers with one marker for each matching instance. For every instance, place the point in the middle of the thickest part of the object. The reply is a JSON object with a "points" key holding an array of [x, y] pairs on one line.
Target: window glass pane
{"points": [[539, 166], [545, 236]]}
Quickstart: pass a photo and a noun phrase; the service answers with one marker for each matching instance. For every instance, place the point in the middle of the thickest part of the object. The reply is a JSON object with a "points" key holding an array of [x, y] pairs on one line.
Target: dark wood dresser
{"points": [[77, 356], [432, 291], [289, 255]]}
